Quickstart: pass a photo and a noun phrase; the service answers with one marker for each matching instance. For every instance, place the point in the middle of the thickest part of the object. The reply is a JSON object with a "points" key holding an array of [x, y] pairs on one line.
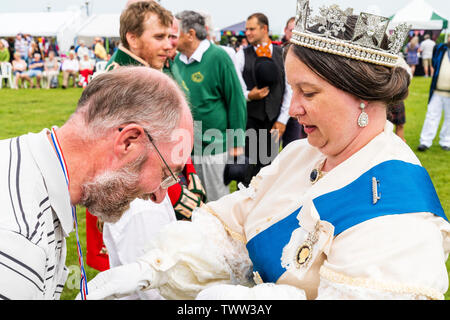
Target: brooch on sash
{"points": [[375, 195], [304, 252]]}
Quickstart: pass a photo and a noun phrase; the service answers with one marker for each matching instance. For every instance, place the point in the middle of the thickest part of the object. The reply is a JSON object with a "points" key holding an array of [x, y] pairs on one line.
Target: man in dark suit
{"points": [[267, 92]]}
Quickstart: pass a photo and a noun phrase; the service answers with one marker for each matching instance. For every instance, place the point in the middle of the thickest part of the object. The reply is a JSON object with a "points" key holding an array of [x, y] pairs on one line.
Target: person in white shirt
{"points": [[51, 69], [82, 50], [117, 146], [426, 48], [86, 69], [70, 67]]}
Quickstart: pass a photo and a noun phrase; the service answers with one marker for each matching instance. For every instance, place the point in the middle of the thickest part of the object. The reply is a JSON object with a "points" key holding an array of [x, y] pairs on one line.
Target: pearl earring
{"points": [[363, 119]]}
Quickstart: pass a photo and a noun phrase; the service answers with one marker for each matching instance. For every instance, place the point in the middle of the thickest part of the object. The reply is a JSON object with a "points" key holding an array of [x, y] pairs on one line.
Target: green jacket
{"points": [[217, 101], [124, 57]]}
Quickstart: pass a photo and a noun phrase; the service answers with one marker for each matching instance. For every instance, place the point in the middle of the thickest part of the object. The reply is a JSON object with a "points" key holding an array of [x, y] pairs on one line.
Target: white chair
{"points": [[6, 73]]}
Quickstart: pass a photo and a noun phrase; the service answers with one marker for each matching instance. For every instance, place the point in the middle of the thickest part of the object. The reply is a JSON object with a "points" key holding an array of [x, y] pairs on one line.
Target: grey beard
{"points": [[109, 194]]}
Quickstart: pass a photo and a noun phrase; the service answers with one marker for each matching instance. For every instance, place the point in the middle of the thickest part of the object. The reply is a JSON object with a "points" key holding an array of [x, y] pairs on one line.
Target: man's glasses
{"points": [[171, 179]]}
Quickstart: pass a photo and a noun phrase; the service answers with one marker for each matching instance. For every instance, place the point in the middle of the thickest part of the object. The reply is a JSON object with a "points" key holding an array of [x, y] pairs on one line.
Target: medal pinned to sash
{"points": [[304, 252]]}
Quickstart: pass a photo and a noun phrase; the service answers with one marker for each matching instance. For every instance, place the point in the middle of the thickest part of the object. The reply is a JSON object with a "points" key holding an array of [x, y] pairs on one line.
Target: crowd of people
{"points": [[38, 61], [345, 211]]}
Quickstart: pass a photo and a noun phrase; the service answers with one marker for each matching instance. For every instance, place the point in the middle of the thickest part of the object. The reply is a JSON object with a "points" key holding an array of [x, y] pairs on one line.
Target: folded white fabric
{"points": [[183, 259]]}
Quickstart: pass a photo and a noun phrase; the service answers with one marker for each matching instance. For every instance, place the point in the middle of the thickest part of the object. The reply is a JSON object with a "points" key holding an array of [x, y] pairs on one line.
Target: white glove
{"points": [[124, 280]]}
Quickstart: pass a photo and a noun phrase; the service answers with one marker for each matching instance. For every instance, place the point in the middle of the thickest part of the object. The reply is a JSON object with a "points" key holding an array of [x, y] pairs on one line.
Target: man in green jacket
{"points": [[217, 102], [144, 34]]}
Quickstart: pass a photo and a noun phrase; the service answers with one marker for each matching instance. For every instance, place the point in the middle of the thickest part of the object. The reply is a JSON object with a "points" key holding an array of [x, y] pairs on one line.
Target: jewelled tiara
{"points": [[368, 35]]}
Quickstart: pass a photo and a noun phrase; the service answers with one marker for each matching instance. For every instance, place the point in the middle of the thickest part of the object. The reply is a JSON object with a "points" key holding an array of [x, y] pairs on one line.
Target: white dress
{"points": [[392, 256]]}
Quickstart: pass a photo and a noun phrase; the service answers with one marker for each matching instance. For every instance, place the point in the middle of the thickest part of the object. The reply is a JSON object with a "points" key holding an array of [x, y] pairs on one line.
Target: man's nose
{"points": [[159, 195]]}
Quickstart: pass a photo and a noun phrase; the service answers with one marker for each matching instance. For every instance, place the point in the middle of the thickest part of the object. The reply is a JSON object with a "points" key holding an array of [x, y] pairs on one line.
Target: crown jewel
{"points": [[365, 43]]}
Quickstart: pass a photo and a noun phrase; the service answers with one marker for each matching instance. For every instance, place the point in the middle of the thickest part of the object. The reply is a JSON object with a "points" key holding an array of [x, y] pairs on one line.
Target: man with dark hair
{"points": [[267, 101], [144, 35], [216, 99]]}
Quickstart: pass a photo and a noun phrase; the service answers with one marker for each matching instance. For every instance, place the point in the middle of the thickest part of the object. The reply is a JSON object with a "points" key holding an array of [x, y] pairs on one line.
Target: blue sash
{"points": [[403, 188]]}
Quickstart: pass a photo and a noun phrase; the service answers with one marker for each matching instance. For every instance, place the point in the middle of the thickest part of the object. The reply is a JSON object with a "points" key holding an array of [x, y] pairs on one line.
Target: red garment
{"points": [[85, 74], [96, 255], [175, 190]]}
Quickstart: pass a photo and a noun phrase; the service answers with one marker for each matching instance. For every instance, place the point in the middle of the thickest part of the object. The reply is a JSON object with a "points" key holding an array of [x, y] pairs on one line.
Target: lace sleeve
{"points": [[198, 254], [344, 288]]}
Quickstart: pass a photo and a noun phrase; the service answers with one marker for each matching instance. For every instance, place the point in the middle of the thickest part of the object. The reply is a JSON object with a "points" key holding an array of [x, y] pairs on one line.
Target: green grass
{"points": [[31, 110]]}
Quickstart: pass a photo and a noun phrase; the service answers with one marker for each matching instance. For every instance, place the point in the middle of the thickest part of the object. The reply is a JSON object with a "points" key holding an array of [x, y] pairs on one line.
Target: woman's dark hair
{"points": [[364, 80]]}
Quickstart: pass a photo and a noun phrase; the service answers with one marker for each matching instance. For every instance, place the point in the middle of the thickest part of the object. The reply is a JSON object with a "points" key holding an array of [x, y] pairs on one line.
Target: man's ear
{"points": [[192, 34], [129, 139], [132, 40]]}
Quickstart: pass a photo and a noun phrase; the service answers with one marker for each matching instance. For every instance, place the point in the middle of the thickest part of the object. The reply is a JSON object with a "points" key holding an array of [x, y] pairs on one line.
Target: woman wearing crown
{"points": [[348, 213]]}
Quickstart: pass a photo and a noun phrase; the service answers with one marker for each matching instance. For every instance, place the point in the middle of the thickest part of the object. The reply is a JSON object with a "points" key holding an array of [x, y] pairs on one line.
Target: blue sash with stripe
{"points": [[403, 188]]}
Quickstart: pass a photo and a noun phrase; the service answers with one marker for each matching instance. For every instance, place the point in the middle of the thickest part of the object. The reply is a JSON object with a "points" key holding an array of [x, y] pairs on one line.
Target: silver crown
{"points": [[365, 45]]}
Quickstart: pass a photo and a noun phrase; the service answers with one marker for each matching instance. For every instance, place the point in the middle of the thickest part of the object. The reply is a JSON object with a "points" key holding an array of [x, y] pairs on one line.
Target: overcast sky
{"points": [[224, 12]]}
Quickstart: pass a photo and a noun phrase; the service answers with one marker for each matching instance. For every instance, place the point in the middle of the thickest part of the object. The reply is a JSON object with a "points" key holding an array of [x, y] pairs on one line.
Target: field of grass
{"points": [[31, 110]]}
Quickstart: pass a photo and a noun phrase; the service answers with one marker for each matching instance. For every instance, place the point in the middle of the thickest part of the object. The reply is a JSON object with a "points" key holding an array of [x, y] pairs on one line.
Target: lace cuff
{"points": [[334, 285], [192, 256]]}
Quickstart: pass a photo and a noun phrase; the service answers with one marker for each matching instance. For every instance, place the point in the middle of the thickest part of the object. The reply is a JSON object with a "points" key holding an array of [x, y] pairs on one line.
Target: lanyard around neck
{"points": [[62, 162]]}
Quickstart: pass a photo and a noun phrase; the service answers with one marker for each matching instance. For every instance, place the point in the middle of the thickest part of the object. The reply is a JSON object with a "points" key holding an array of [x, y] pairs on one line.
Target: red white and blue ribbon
{"points": [[62, 161]]}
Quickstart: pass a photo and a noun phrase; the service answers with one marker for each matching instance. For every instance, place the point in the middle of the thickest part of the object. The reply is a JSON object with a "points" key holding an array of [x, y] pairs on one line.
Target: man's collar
{"points": [[198, 53], [131, 54], [58, 192]]}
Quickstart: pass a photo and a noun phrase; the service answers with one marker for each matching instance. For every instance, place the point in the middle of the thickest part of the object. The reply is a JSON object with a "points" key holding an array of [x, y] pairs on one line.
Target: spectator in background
{"points": [[112, 47], [4, 52], [70, 68], [4, 55], [19, 67], [99, 50], [32, 49], [412, 53], [243, 44], [50, 45], [10, 46], [438, 101], [21, 46], [86, 69], [426, 48], [82, 50], [51, 70], [35, 70], [267, 102], [216, 97], [290, 24]]}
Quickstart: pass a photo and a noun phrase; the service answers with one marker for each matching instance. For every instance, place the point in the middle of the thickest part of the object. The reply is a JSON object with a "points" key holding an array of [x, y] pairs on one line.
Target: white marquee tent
{"points": [[61, 25], [100, 25], [420, 15]]}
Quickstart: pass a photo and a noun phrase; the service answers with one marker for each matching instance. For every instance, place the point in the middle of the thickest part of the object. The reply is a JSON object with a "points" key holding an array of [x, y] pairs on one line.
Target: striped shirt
{"points": [[35, 218]]}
